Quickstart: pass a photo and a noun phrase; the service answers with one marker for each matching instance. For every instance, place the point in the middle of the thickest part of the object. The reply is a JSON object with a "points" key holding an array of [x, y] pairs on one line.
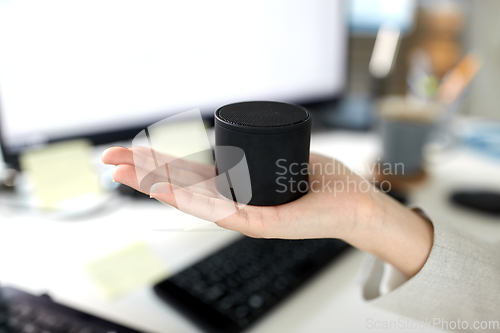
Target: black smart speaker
{"points": [[275, 138]]}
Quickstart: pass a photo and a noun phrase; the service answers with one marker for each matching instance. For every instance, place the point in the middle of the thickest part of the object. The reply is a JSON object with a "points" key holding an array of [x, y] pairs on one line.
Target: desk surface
{"points": [[43, 255]]}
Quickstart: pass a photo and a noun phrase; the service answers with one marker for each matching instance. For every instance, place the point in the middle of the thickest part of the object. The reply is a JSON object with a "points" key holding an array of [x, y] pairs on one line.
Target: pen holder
{"points": [[406, 125]]}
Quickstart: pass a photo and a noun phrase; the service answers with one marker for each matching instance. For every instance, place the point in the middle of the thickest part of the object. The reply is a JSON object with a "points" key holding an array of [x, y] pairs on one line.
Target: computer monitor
{"points": [[104, 69]]}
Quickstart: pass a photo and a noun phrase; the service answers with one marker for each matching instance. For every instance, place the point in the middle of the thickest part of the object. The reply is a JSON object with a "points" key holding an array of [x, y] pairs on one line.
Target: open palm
{"points": [[333, 206]]}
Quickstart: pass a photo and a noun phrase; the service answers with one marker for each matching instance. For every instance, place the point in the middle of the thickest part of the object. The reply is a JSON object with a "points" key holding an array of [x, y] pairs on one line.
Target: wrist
{"points": [[394, 234]]}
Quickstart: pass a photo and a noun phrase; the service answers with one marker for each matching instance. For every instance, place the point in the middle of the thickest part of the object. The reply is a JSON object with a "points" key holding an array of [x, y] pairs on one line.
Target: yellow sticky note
{"points": [[61, 171], [194, 145], [124, 270]]}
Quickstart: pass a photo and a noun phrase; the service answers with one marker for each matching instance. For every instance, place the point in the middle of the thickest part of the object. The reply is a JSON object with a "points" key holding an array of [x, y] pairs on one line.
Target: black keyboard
{"points": [[25, 313], [231, 289]]}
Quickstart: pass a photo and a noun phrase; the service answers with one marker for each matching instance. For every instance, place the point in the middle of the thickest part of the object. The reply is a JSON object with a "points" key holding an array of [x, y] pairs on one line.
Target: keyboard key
{"points": [[278, 268], [52, 323], [227, 302], [229, 268], [281, 283], [29, 328], [246, 273], [4, 317], [199, 287], [242, 311], [256, 301], [233, 281], [14, 323], [21, 309], [213, 277], [215, 292]]}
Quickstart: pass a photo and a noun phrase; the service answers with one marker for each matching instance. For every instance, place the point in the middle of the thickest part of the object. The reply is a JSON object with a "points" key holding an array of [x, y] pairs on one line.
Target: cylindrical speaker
{"points": [[275, 138]]}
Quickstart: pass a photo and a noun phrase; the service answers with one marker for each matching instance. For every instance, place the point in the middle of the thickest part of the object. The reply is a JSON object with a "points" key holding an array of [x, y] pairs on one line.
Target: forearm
{"points": [[395, 234], [458, 283]]}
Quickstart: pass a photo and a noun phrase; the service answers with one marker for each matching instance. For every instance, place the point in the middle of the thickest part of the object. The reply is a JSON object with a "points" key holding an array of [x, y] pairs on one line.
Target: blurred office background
{"points": [[387, 81]]}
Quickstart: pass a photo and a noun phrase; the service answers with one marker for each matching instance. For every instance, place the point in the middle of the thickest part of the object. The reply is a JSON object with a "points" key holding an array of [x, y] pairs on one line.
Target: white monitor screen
{"points": [[71, 67]]}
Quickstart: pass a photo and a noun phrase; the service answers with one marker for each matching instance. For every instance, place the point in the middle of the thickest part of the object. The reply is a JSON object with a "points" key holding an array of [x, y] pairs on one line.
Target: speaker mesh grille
{"points": [[262, 114]]}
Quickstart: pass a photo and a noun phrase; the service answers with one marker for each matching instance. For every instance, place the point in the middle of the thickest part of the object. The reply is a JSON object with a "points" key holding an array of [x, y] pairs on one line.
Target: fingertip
{"points": [[119, 173], [113, 176], [104, 156], [109, 155]]}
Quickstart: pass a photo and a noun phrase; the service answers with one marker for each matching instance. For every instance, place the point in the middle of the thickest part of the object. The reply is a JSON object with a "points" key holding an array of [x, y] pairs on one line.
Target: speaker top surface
{"points": [[263, 117]]}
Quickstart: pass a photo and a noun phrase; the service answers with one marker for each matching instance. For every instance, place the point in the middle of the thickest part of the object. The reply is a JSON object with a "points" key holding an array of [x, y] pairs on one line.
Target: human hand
{"points": [[329, 209], [339, 204]]}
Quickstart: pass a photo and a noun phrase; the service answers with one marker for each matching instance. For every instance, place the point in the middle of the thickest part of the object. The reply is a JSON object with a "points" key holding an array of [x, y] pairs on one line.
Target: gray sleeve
{"points": [[459, 281]]}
